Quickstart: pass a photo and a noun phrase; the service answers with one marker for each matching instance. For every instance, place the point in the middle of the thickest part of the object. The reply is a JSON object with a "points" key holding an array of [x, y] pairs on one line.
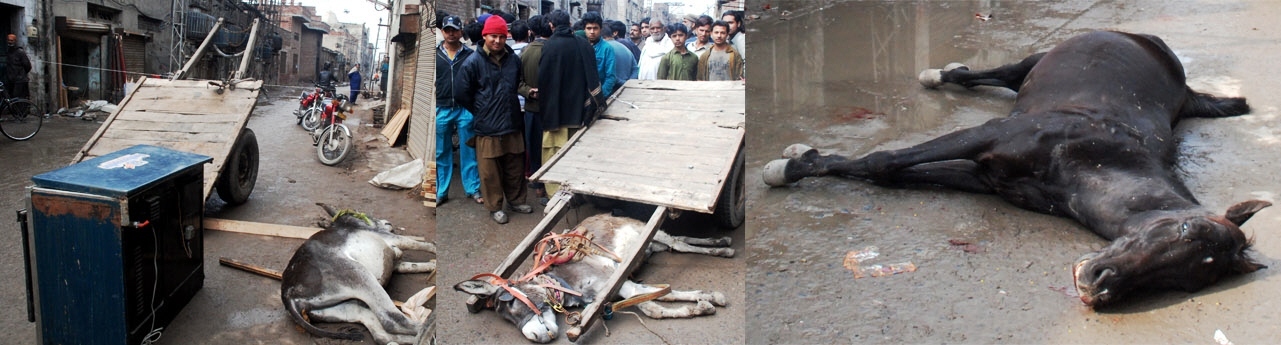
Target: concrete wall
{"points": [[20, 16]]}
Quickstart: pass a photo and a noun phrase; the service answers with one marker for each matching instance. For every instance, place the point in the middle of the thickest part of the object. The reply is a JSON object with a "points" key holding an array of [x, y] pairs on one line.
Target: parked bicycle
{"points": [[19, 118], [333, 139]]}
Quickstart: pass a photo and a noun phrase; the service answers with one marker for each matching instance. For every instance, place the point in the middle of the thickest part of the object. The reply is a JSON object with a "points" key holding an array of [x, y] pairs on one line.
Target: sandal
{"points": [[477, 197]]}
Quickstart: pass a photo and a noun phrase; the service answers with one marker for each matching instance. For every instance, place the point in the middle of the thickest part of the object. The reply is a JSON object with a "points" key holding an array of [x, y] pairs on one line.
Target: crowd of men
{"points": [[521, 88]]}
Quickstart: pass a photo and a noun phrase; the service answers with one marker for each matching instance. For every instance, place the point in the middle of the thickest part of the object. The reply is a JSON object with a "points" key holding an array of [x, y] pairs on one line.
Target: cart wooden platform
{"points": [[191, 116], [673, 144]]}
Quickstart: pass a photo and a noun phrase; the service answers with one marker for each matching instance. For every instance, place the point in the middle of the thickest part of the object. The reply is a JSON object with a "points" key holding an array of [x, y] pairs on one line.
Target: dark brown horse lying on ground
{"points": [[1090, 138]]}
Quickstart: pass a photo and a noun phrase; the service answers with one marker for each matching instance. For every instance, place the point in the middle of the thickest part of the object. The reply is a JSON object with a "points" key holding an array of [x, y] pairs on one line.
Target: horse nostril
{"points": [[1102, 273]]}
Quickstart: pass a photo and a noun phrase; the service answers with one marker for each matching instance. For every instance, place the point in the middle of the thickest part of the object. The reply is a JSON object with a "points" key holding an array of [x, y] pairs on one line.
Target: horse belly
{"points": [[372, 253]]}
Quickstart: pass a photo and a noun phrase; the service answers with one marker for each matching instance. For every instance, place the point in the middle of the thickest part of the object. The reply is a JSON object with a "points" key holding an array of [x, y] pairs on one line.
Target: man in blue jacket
{"points": [[487, 87], [451, 117], [353, 78]]}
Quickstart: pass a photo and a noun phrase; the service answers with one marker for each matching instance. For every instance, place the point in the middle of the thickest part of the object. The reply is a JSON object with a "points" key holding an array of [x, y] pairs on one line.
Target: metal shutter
{"points": [[422, 129], [135, 49], [408, 71]]}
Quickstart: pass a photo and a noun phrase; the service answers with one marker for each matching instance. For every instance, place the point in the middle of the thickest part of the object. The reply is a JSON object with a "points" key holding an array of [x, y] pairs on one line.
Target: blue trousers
{"points": [[447, 121], [354, 93]]}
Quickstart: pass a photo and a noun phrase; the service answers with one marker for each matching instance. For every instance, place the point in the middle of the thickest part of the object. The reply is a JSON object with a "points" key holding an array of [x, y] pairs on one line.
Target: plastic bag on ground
{"points": [[405, 176]]}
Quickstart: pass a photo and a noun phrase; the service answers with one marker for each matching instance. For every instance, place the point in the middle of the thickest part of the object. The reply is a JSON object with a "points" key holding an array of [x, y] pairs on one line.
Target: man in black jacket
{"points": [[567, 78], [487, 88], [451, 117], [17, 69]]}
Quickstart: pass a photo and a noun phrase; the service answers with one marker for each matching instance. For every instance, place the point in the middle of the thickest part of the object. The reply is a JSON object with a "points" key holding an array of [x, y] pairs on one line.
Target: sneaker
{"points": [[500, 217], [522, 208]]}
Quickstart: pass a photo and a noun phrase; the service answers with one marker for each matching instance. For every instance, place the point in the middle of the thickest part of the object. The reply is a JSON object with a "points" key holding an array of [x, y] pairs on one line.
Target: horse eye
{"points": [[1208, 259]]}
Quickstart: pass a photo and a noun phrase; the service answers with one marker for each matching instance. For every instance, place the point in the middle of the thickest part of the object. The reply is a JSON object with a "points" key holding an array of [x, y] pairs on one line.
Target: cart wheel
{"points": [[240, 172], [732, 205]]}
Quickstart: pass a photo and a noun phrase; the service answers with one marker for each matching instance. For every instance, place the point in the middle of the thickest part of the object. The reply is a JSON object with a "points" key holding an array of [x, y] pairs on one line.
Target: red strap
{"points": [[506, 285]]}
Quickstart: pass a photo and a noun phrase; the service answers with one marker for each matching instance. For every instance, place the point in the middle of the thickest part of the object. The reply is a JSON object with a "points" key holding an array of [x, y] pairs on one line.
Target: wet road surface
{"points": [[842, 77]]}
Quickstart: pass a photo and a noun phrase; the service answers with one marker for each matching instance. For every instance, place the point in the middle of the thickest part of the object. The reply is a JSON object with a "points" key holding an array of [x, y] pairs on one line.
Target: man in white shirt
{"points": [[657, 45]]}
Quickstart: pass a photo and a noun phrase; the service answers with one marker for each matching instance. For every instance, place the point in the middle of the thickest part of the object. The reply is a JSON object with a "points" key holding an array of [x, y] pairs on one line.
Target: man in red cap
{"points": [[487, 88]]}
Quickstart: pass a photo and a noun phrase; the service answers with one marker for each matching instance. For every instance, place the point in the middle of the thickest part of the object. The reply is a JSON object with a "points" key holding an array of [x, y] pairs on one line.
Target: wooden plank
{"points": [[251, 268], [710, 98], [631, 256], [156, 116], [677, 118], [560, 207], [684, 85], [265, 229], [668, 134], [698, 198], [705, 149], [268, 229], [701, 171], [190, 105], [109, 145], [393, 128], [190, 127], [207, 137]]}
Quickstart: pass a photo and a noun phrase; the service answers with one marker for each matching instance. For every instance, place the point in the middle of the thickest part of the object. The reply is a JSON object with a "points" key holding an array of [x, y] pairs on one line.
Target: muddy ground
{"points": [[234, 307], [841, 76]]}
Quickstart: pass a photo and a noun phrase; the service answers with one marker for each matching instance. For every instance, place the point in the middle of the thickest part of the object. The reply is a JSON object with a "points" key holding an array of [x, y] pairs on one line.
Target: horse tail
{"points": [[291, 306], [1207, 105]]}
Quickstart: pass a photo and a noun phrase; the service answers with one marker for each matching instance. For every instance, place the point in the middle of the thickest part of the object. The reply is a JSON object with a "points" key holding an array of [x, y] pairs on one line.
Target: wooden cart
{"points": [[202, 117], [673, 144], [191, 116]]}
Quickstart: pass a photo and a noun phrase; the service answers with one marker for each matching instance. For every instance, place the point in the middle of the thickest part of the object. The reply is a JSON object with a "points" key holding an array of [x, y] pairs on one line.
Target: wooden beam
{"points": [[633, 256], [268, 229], [265, 229], [251, 268]]}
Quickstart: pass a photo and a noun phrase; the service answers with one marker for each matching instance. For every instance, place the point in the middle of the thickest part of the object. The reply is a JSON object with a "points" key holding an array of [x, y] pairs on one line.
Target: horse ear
{"points": [[328, 209], [480, 288], [1243, 264], [1242, 211]]}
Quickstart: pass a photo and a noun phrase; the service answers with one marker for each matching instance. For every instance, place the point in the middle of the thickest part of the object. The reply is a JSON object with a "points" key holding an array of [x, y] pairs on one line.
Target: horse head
{"points": [[1184, 249]]}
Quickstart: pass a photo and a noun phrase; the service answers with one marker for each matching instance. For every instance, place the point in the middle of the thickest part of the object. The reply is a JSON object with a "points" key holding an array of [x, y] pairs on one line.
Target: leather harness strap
{"points": [[506, 285], [663, 290]]}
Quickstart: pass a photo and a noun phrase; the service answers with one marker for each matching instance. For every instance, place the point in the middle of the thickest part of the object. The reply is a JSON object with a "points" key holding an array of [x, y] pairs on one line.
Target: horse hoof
{"points": [[931, 78], [704, 308], [718, 299], [955, 65], [775, 173], [725, 252], [797, 151]]}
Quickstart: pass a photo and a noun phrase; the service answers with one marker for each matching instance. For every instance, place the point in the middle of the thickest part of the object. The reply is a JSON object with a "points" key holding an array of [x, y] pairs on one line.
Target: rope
{"points": [[152, 75]]}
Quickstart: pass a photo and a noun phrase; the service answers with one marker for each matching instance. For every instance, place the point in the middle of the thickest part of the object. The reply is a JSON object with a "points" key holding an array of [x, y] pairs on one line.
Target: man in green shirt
{"points": [[680, 63]]}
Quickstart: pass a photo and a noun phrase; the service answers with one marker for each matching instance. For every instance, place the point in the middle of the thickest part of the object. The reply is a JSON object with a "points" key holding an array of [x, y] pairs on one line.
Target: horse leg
{"points": [[679, 245], [368, 290], [415, 267], [353, 311], [882, 166], [1009, 76], [960, 175], [717, 298], [659, 311], [408, 243]]}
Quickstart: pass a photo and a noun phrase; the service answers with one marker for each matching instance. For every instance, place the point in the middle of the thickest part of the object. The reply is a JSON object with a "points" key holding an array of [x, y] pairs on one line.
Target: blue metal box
{"points": [[117, 247]]}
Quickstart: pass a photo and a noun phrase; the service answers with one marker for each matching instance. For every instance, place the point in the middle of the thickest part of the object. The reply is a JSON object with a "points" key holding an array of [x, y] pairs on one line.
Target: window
{"points": [[104, 13]]}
